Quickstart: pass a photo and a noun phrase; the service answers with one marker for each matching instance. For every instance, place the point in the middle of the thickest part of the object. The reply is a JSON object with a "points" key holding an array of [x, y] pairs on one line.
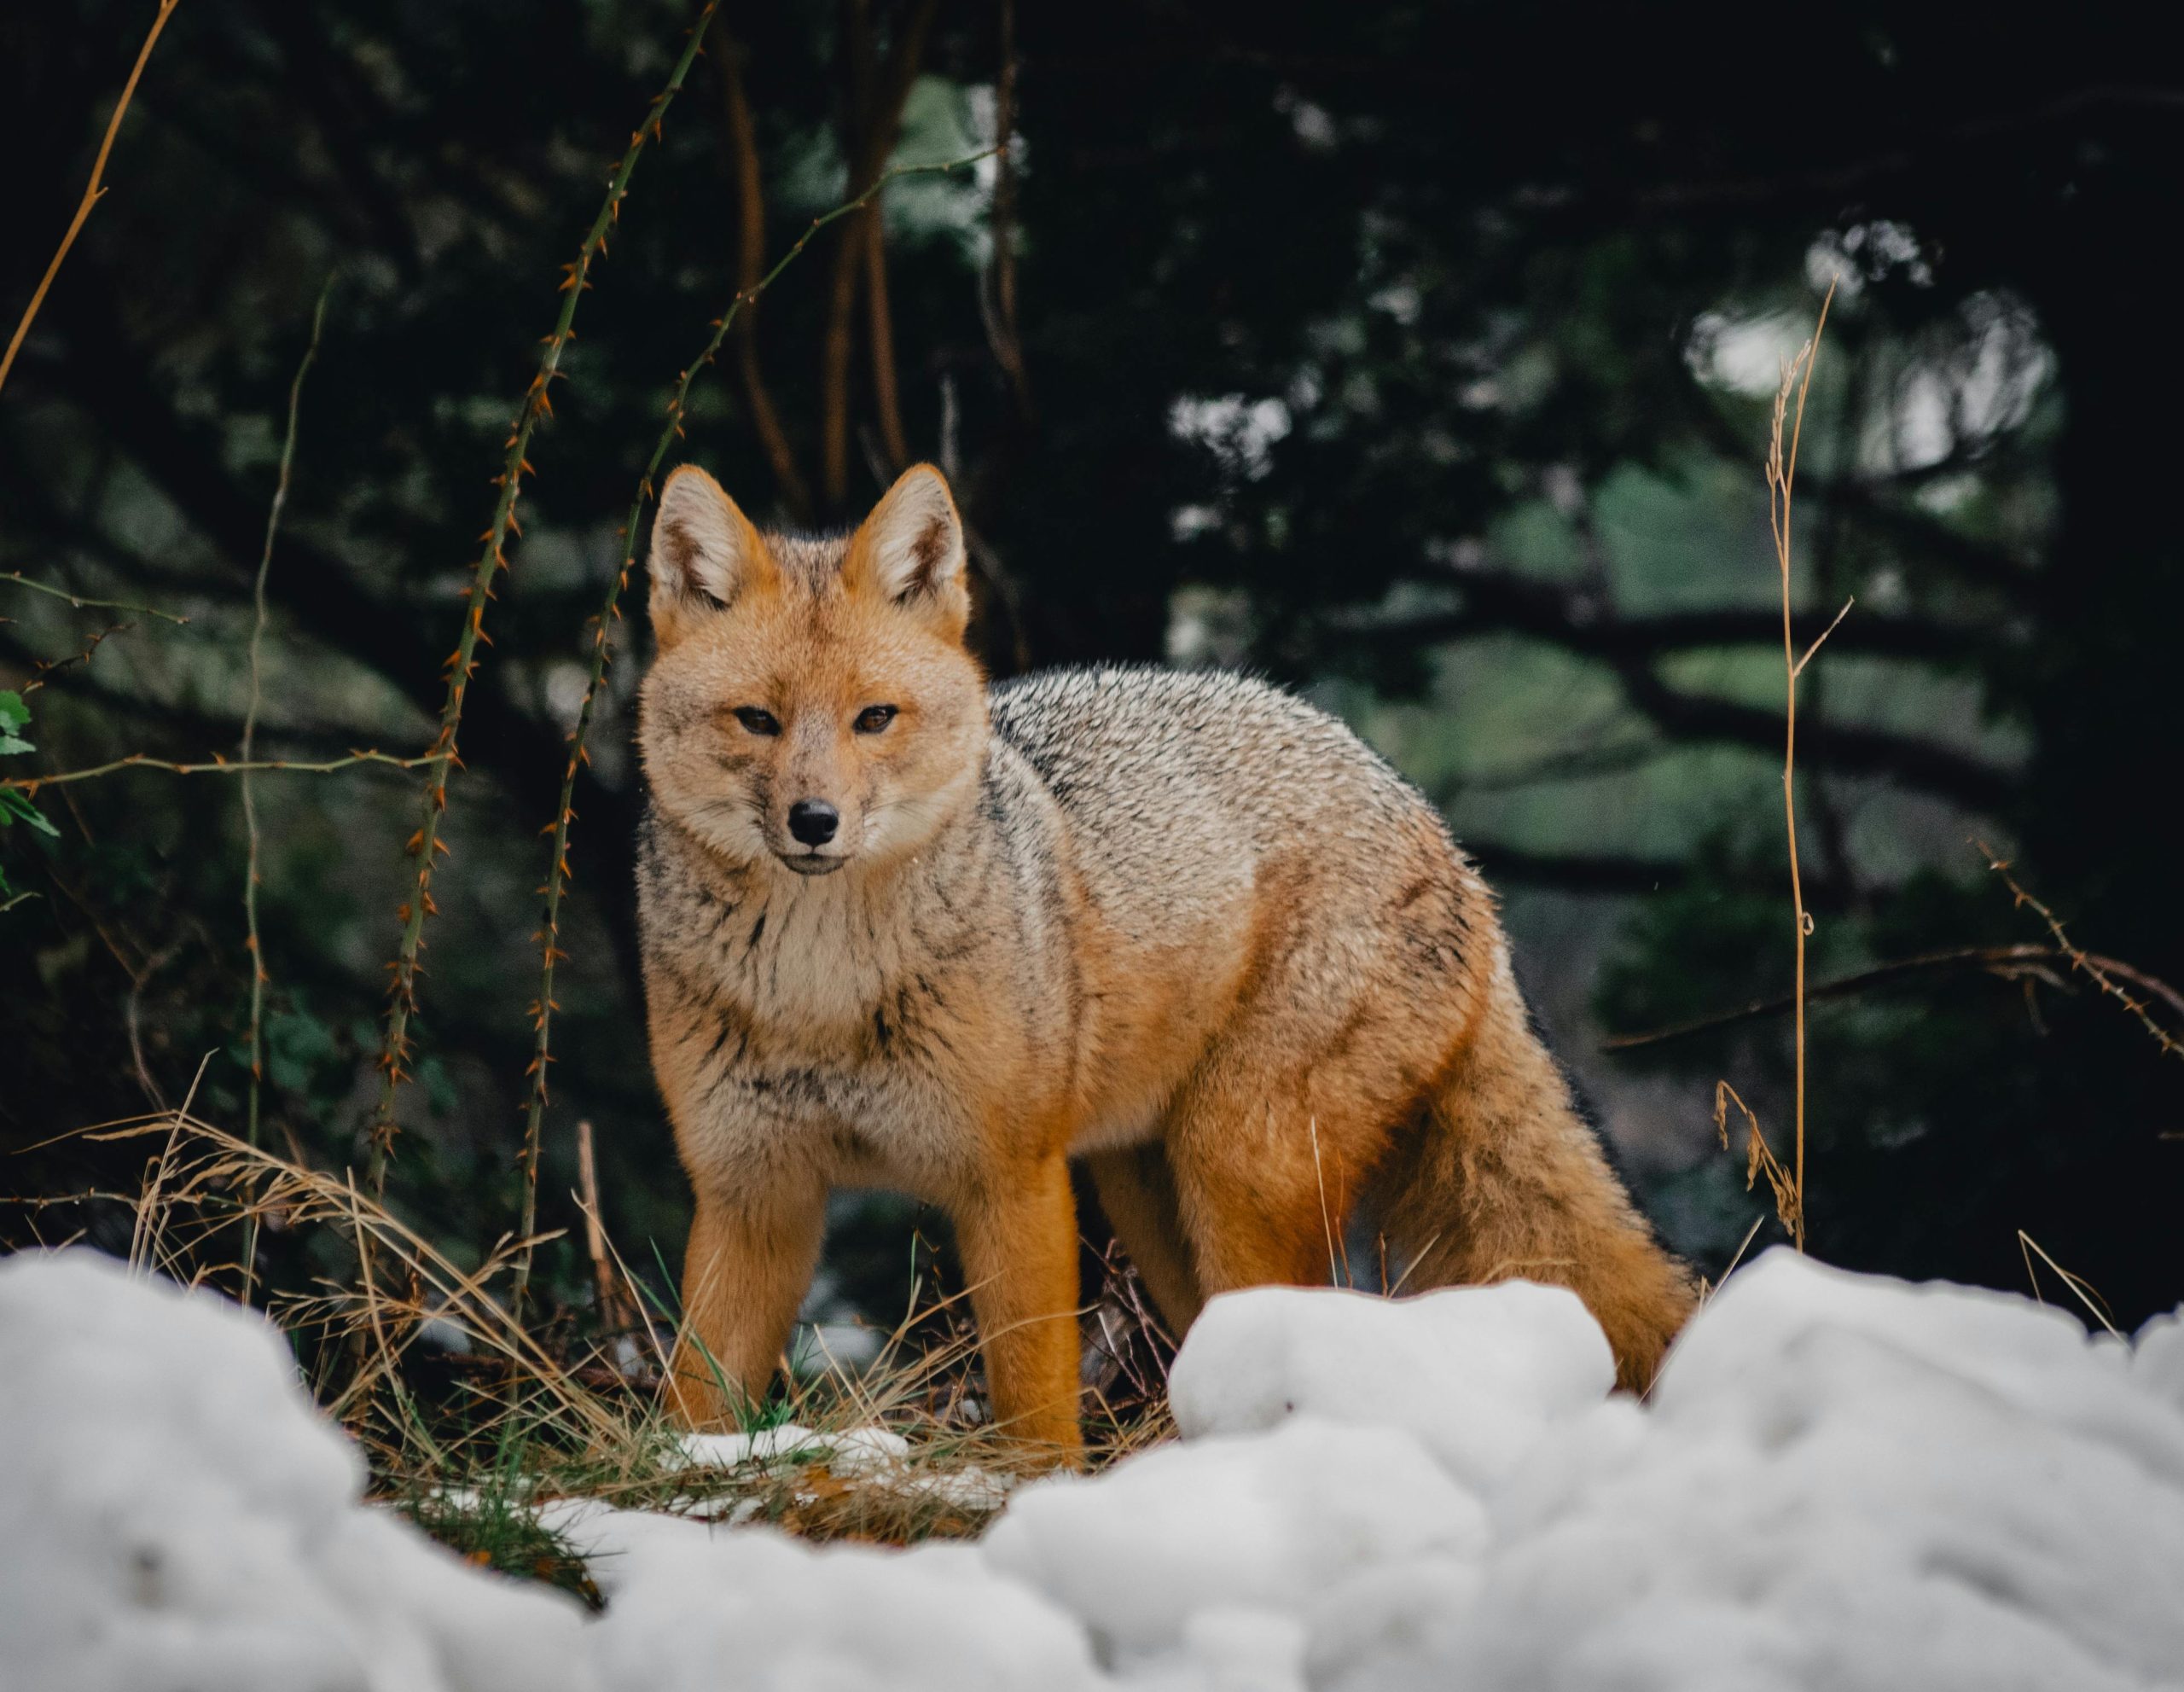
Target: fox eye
{"points": [[757, 721], [875, 717]]}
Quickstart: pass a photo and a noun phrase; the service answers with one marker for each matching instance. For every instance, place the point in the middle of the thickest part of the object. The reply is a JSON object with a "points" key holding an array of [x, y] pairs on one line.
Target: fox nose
{"points": [[813, 821]]}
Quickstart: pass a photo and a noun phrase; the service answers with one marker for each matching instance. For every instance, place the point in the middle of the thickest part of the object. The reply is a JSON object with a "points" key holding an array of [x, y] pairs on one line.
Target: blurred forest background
{"points": [[1418, 356]]}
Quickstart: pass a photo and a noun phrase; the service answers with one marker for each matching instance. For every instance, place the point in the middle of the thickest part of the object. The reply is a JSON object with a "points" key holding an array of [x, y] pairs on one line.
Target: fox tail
{"points": [[1509, 1181]]}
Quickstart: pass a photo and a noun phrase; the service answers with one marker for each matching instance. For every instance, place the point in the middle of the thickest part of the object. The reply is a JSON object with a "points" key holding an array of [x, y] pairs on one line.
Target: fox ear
{"points": [[910, 551], [705, 554]]}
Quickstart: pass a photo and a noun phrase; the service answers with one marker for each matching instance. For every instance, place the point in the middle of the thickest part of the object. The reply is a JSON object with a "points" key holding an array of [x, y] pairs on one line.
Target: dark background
{"points": [[1418, 356]]}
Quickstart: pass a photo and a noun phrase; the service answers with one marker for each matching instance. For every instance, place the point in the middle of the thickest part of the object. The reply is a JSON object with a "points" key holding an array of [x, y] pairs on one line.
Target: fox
{"points": [[901, 928]]}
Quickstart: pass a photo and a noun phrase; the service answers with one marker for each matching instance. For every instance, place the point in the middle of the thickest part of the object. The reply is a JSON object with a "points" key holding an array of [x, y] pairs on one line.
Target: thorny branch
{"points": [[426, 844], [2106, 972]]}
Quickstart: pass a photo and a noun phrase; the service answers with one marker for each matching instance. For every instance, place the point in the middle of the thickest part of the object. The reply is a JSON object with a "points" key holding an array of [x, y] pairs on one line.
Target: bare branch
{"points": [[94, 190], [728, 55]]}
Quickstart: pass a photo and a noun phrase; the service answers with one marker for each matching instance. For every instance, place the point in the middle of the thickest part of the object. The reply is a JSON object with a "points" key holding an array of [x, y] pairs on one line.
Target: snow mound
{"points": [[1839, 1482], [1476, 1372], [1266, 1523], [2158, 1362], [175, 1514], [692, 1608]]}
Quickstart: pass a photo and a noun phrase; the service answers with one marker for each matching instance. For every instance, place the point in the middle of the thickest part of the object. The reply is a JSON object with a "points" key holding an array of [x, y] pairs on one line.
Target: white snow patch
{"points": [[873, 1455], [1476, 1372], [1265, 1522], [175, 1514], [751, 1607], [1840, 1481]]}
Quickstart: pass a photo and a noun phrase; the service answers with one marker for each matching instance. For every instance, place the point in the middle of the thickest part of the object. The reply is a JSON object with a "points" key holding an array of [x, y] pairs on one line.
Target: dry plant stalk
{"points": [[259, 978], [2081, 1288], [94, 190], [1760, 1159], [617, 1311], [610, 613], [426, 844], [1781, 480]]}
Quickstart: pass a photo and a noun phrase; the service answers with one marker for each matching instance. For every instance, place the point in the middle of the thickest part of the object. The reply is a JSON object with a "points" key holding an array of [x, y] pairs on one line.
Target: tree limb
{"points": [[2009, 961], [871, 124], [741, 132], [1501, 601]]}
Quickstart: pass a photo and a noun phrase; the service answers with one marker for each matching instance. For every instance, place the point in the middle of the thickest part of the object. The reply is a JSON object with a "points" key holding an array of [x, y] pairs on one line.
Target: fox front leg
{"points": [[1017, 1235], [750, 1261]]}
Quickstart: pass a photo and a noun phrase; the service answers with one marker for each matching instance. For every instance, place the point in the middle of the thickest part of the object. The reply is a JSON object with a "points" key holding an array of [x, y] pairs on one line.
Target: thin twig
{"points": [[2010, 961], [426, 844], [82, 601], [44, 669], [94, 190], [610, 613], [2103, 970], [1798, 669], [214, 766], [258, 978]]}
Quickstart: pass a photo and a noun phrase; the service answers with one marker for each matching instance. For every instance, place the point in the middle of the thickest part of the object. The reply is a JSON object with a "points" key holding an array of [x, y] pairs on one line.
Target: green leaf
{"points": [[14, 713], [13, 805]]}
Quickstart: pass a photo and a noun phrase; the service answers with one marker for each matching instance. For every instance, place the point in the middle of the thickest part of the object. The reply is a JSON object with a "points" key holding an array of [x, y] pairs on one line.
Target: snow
{"points": [[1839, 1482], [1267, 1522], [1474, 1372], [691, 1607], [175, 1514], [876, 1457]]}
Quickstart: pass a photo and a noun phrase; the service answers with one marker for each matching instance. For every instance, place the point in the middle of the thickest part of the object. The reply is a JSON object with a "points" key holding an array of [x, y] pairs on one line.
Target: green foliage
{"points": [[486, 1514], [16, 805]]}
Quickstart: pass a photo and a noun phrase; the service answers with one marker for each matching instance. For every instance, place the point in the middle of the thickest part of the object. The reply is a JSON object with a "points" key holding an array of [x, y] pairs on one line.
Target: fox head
{"points": [[812, 704]]}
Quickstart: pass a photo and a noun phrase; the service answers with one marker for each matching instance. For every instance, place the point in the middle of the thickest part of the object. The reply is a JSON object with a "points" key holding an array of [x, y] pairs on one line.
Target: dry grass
{"points": [[473, 1421]]}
